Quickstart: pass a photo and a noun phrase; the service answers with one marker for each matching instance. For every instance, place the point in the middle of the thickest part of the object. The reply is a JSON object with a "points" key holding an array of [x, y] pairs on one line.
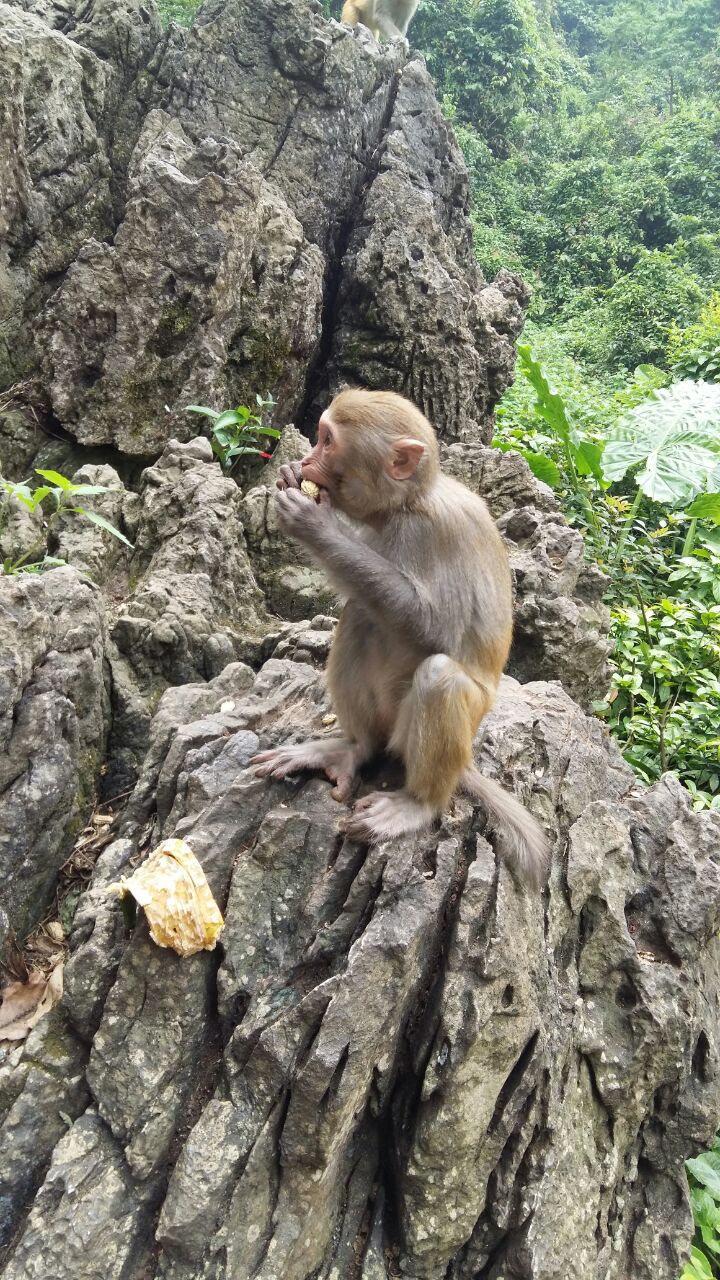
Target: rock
{"points": [[85, 1220], [397, 1061], [414, 313], [55, 172], [85, 545], [42, 1090], [53, 729], [163, 328], [195, 607], [405, 1017]]}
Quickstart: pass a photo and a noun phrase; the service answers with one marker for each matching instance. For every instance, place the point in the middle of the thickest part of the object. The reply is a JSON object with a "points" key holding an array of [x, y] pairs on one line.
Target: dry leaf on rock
{"points": [[177, 900], [24, 1003]]}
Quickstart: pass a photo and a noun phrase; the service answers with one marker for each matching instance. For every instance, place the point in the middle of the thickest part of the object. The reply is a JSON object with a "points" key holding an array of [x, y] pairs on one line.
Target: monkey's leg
{"points": [[385, 25], [336, 757], [434, 734]]}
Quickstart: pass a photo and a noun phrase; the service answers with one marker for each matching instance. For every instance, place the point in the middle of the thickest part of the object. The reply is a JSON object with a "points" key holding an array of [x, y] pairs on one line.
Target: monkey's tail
{"points": [[527, 847]]}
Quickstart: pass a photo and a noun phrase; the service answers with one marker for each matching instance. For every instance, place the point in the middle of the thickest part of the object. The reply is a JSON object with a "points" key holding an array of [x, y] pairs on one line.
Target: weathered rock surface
{"points": [[269, 202], [54, 717], [54, 171], [420, 1060]]}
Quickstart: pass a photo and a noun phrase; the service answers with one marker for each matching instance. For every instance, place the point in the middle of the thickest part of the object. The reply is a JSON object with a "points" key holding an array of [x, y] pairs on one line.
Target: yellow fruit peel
{"points": [[172, 889], [310, 489]]}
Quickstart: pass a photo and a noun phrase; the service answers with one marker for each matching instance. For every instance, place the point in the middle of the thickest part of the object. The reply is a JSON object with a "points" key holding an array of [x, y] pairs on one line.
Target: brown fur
{"points": [[426, 629], [390, 18]]}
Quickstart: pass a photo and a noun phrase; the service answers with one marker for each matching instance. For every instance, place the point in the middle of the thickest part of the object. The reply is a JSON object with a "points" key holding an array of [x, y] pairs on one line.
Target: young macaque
{"points": [[388, 18], [426, 628]]}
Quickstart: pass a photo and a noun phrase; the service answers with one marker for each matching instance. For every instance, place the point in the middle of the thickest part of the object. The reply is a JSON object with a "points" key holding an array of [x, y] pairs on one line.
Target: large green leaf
{"points": [[675, 435], [201, 408], [706, 1213], [706, 507], [550, 404], [705, 1169], [55, 478], [698, 1268]]}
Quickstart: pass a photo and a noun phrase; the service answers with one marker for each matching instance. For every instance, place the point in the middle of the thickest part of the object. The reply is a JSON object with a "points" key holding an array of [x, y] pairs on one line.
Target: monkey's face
{"points": [[324, 464]]}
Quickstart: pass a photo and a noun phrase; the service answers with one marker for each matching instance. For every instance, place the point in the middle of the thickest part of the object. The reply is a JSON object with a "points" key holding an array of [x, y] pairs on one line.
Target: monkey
{"points": [[389, 18], [426, 627]]}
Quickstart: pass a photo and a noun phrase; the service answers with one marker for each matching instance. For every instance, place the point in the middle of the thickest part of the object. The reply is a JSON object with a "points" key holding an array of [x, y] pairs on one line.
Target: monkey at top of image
{"points": [[425, 632], [388, 18]]}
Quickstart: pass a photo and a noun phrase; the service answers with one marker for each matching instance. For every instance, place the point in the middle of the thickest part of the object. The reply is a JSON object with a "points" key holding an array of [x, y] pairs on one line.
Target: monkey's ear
{"points": [[404, 458]]}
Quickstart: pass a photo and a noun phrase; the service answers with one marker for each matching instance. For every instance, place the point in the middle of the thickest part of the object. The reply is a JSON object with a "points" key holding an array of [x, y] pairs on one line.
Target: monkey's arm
{"points": [[358, 570]]}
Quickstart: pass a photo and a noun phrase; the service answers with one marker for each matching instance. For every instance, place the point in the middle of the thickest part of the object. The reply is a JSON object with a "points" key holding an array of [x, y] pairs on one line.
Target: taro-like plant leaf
{"points": [[698, 1268], [705, 1169], [706, 1213], [104, 524], [706, 507], [674, 436], [543, 468], [268, 431], [588, 460]]}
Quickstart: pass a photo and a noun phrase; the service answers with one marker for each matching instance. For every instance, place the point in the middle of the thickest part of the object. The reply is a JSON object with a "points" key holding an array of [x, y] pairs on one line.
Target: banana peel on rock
{"points": [[173, 891]]}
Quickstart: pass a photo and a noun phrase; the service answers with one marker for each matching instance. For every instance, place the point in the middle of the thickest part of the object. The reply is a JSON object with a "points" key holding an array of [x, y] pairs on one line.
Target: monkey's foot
{"points": [[385, 815], [336, 757]]}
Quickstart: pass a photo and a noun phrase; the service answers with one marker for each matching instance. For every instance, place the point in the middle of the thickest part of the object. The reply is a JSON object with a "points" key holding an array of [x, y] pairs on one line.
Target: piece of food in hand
{"points": [[310, 489], [178, 902]]}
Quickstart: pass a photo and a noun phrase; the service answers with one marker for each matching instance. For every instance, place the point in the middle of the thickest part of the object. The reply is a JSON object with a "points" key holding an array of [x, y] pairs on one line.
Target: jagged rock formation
{"points": [[396, 1062]]}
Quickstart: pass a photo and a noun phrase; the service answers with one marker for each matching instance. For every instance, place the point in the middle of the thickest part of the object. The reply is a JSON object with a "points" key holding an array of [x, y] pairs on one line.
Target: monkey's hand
{"points": [[289, 476], [311, 522]]}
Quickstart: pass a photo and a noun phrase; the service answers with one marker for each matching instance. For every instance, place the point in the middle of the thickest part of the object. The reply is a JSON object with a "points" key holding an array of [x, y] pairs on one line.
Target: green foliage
{"points": [[674, 436], [491, 59], [665, 704], [59, 491], [695, 352], [663, 445], [704, 1182], [180, 11], [234, 432]]}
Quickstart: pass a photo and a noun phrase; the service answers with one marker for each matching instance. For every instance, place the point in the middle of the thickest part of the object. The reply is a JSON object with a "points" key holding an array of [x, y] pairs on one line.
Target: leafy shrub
{"points": [[642, 305], [704, 1182], [695, 352], [61, 492], [234, 432], [180, 11], [664, 444]]}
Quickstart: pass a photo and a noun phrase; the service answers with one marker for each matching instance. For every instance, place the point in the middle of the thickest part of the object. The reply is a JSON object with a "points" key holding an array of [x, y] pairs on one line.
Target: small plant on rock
{"points": [[234, 432], [61, 492]]}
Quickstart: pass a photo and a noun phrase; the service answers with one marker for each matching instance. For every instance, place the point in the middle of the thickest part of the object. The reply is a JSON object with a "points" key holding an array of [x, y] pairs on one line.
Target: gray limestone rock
{"points": [[403, 1025], [85, 1220], [208, 294], [54, 714], [54, 171], [561, 624], [42, 1090], [414, 313]]}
